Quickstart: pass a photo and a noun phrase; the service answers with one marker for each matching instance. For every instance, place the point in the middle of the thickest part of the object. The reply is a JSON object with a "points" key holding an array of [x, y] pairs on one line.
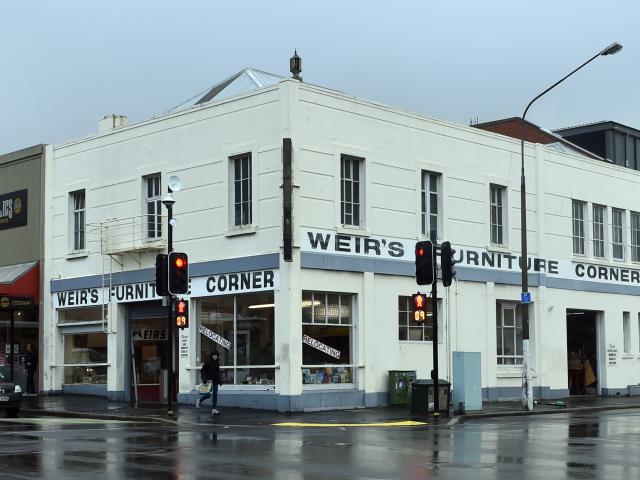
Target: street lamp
{"points": [[168, 201], [527, 388]]}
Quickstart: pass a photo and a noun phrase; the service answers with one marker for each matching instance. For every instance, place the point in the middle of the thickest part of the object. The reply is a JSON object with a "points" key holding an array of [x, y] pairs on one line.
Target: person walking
{"points": [[210, 373], [31, 363]]}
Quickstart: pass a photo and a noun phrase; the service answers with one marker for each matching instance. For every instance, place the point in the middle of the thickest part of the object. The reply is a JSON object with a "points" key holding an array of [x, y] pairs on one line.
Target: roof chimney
{"points": [[111, 122], [295, 65]]}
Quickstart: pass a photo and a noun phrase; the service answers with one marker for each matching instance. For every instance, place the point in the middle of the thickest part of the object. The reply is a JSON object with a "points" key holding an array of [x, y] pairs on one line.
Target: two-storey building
{"points": [[299, 209]]}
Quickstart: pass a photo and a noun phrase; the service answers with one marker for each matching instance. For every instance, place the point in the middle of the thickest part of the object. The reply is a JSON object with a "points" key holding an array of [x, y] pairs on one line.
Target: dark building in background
{"points": [[21, 256], [610, 140], [511, 127]]}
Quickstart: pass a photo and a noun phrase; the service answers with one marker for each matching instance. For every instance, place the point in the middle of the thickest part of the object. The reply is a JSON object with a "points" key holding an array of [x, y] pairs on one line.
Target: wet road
{"points": [[604, 445]]}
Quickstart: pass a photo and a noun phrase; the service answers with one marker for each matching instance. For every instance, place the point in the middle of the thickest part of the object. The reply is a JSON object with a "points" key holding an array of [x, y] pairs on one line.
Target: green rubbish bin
{"points": [[400, 386]]}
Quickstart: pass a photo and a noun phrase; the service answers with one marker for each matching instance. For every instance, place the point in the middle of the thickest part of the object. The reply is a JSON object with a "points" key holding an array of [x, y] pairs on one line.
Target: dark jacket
{"points": [[211, 371], [31, 361]]}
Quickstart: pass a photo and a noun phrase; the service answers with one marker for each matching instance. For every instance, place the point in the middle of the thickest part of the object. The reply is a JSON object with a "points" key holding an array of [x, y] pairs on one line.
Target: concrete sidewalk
{"points": [[78, 406]]}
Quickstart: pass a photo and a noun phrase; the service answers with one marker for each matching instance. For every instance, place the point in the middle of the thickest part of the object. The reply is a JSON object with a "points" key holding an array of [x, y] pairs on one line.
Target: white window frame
{"points": [[617, 233], [323, 299], [78, 220], [405, 312], [244, 204], [502, 329], [578, 223], [498, 214], [153, 226], [353, 166], [599, 229], [635, 236], [428, 198]]}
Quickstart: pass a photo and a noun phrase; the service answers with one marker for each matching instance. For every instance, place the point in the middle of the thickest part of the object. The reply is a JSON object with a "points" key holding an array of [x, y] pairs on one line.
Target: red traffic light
{"points": [[182, 306], [180, 262]]}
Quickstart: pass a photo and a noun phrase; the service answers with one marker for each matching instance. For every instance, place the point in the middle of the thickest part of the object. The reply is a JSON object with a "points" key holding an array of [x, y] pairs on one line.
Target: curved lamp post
{"points": [[527, 388]]}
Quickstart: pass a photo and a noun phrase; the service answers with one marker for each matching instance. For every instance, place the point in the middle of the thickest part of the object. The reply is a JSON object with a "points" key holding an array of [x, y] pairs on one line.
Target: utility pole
{"points": [[434, 316]]}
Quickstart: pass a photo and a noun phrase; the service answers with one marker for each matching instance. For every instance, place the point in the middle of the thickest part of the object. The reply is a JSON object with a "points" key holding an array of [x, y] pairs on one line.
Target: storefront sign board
{"points": [[13, 209]]}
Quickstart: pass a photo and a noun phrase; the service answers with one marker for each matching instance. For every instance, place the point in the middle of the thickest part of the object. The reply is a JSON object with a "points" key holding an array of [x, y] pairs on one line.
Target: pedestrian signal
{"points": [[182, 313], [419, 307]]}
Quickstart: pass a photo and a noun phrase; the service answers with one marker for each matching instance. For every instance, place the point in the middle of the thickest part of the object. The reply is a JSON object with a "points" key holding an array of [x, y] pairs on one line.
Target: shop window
{"points": [[410, 330], [509, 333], [241, 329], [80, 315], [85, 358], [626, 331], [327, 338]]}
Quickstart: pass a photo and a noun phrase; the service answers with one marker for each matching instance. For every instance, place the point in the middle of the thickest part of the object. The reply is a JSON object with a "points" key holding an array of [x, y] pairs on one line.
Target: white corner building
{"points": [[323, 328]]}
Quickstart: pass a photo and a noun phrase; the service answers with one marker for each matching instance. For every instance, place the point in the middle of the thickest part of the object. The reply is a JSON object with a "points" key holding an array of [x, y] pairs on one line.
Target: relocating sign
{"points": [[13, 209], [318, 345], [215, 337]]}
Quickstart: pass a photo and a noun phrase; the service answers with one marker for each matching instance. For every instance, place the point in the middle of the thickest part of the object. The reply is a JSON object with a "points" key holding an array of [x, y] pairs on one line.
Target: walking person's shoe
{"points": [[198, 403], [215, 412]]}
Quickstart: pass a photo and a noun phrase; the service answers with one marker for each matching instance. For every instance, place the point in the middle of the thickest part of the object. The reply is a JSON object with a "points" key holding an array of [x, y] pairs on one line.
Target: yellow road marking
{"points": [[404, 423]]}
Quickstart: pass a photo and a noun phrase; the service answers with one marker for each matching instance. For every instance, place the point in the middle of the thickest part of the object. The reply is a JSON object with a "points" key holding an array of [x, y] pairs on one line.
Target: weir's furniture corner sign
{"points": [[13, 209]]}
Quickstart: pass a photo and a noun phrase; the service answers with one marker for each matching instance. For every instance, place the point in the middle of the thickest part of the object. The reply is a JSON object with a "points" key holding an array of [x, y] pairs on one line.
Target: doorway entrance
{"points": [[582, 352]]}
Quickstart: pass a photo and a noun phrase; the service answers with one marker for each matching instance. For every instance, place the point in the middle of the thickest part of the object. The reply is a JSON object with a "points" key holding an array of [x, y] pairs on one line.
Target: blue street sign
{"points": [[525, 297]]}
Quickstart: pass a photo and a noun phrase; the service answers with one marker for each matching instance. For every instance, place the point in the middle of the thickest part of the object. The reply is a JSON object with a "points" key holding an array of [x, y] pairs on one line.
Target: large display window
{"points": [[241, 329], [327, 338], [85, 358]]}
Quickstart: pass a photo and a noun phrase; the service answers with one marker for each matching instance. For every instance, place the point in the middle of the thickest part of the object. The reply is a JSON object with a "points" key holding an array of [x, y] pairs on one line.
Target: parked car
{"points": [[10, 396]]}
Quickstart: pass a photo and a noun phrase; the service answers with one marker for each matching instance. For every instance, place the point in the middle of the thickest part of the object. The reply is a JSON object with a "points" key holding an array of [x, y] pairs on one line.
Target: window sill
{"points": [[357, 231], [627, 356], [237, 231], [78, 254], [329, 386], [497, 248]]}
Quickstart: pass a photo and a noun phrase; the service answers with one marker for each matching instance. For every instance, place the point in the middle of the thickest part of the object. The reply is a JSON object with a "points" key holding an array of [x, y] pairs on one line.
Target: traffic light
{"points": [[419, 301], [424, 263], [182, 313], [178, 273], [447, 263], [161, 275]]}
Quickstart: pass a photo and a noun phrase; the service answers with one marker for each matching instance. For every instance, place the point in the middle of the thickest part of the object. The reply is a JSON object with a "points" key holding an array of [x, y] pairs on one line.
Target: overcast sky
{"points": [[64, 64]]}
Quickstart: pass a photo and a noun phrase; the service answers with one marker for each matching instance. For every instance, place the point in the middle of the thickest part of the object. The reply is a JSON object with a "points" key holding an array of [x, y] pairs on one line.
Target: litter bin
{"points": [[422, 396], [399, 386]]}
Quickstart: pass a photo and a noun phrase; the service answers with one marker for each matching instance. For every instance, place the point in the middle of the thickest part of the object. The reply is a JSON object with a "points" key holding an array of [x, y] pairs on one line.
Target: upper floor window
{"points": [[598, 230], [153, 206], [578, 209], [350, 192], [635, 237], [498, 200], [430, 204], [242, 189], [617, 237], [78, 227]]}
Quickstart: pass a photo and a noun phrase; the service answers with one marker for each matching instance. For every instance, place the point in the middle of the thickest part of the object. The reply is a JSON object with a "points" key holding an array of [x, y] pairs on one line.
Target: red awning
{"points": [[22, 280]]}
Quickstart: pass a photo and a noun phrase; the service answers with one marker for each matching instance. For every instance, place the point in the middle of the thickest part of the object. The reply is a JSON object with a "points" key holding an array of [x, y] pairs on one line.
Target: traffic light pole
{"points": [[434, 313], [434, 316], [169, 318]]}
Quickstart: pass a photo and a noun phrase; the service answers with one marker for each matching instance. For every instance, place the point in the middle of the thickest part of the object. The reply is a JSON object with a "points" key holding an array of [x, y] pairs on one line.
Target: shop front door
{"points": [[149, 379]]}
